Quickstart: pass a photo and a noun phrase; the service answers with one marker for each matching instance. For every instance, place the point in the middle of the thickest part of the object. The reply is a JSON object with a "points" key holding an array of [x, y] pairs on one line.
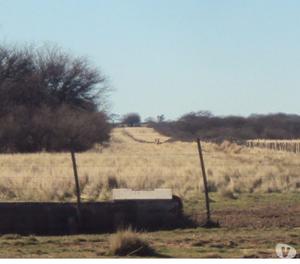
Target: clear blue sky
{"points": [[171, 57]]}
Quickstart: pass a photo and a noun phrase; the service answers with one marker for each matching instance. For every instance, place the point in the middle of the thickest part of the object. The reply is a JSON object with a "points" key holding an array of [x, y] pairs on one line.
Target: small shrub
{"points": [[273, 189], [227, 193], [7, 192], [129, 243], [211, 186], [112, 182], [257, 183], [210, 172]]}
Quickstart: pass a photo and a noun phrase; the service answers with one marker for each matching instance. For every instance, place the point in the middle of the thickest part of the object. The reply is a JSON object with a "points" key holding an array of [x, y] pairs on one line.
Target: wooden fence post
{"points": [[76, 184], [208, 220]]}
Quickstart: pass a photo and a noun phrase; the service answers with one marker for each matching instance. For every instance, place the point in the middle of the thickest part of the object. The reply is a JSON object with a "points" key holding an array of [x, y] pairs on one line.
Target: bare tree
{"points": [[69, 80], [48, 99]]}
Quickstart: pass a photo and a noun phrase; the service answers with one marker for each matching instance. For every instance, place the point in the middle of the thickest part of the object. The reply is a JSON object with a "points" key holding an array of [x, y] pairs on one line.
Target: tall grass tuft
{"points": [[129, 243]]}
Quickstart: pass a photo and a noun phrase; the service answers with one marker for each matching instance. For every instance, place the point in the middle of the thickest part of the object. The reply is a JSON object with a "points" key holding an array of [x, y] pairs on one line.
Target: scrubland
{"points": [[129, 162]]}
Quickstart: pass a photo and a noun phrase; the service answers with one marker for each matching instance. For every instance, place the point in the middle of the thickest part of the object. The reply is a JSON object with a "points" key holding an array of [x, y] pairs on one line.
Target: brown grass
{"points": [[129, 243], [128, 163]]}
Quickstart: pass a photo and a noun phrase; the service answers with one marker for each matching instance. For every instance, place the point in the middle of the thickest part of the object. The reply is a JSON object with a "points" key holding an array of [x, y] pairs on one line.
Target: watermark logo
{"points": [[285, 251]]}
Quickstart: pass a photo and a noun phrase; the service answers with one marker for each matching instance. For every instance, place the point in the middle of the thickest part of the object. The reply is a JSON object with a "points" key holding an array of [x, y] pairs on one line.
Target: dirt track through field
{"points": [[156, 140]]}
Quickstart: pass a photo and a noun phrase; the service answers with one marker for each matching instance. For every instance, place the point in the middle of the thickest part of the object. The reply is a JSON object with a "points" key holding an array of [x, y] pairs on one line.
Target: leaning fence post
{"points": [[76, 183], [204, 181]]}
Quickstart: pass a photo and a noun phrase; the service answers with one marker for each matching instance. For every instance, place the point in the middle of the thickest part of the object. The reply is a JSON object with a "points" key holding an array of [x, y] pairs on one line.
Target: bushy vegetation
{"points": [[210, 127], [49, 100], [131, 119]]}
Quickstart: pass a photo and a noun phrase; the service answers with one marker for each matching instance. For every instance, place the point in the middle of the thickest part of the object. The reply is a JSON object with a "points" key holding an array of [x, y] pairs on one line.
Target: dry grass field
{"points": [[129, 162], [254, 194]]}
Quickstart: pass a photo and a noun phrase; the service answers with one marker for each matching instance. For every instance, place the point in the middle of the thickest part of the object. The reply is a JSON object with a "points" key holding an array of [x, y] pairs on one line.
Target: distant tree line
{"points": [[49, 100], [209, 127]]}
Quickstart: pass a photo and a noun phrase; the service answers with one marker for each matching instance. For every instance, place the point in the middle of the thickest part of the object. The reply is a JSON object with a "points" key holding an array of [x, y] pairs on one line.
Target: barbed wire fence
{"points": [[30, 177]]}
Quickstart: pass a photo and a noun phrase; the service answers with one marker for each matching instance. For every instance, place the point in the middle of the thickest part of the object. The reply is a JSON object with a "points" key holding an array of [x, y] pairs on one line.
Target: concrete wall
{"points": [[96, 217]]}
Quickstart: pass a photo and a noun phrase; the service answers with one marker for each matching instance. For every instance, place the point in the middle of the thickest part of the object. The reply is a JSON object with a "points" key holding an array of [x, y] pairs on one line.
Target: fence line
{"points": [[275, 145]]}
